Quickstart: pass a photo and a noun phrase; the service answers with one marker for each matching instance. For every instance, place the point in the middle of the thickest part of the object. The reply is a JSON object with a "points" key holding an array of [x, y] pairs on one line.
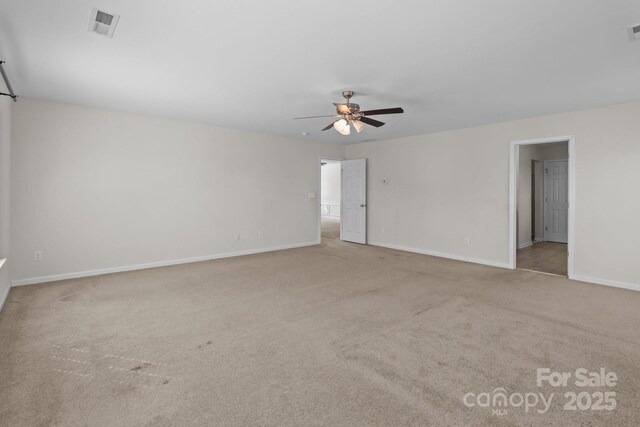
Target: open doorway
{"points": [[541, 219], [330, 198]]}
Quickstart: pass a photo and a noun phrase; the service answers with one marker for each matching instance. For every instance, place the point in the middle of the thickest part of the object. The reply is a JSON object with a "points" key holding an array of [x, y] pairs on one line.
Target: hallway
{"points": [[546, 257]]}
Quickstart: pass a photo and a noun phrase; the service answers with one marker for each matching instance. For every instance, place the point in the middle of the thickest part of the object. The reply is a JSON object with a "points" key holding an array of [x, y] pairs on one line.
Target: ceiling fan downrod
{"points": [[347, 94]]}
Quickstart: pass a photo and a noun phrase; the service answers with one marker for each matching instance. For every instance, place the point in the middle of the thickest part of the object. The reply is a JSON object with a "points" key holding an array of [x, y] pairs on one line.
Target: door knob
{"points": [[363, 205]]}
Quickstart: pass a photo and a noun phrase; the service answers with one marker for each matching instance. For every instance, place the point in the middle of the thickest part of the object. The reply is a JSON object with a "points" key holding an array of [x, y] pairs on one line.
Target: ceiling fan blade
{"points": [[396, 110], [371, 122], [329, 126], [314, 117], [342, 108]]}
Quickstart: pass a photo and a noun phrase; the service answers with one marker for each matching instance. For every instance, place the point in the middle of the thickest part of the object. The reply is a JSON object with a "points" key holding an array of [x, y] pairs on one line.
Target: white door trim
{"points": [[513, 184], [319, 194]]}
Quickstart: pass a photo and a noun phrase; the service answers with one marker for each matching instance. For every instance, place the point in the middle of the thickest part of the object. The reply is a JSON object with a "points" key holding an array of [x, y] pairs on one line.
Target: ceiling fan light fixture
{"points": [[342, 126], [350, 114]]}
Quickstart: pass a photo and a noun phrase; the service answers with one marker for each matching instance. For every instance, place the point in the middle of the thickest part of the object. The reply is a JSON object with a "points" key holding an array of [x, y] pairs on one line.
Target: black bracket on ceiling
{"points": [[11, 94]]}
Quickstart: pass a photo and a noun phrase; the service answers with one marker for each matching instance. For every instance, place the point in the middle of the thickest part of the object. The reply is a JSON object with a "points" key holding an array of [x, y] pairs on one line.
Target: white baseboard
{"points": [[66, 276], [525, 245], [606, 282], [3, 299], [442, 255]]}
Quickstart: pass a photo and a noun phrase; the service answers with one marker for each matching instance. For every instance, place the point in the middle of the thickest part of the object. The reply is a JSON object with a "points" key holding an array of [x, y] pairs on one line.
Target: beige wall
{"points": [[95, 190], [449, 186], [6, 105], [540, 152]]}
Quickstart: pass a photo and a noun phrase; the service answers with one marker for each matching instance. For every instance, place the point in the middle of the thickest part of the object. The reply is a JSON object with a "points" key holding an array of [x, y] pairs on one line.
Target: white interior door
{"points": [[556, 199], [354, 201]]}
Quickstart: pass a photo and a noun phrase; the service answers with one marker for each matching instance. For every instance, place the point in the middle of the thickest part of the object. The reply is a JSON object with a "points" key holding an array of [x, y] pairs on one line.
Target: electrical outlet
{"points": [[467, 241], [238, 236], [382, 230], [259, 234], [37, 255]]}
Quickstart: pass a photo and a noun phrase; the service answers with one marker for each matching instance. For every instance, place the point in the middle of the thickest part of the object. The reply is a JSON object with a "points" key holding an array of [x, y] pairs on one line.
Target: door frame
{"points": [[319, 195], [513, 194], [534, 205]]}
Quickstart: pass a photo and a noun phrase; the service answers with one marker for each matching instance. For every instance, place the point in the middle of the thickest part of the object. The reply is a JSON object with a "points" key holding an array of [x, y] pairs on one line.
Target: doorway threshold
{"points": [[542, 272]]}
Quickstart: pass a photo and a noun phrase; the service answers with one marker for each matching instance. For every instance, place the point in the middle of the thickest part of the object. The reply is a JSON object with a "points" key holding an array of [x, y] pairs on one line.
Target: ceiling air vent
{"points": [[634, 32], [103, 23]]}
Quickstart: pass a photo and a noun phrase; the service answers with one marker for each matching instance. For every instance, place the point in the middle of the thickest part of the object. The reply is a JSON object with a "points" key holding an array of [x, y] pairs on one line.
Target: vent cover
{"points": [[103, 23], [634, 32]]}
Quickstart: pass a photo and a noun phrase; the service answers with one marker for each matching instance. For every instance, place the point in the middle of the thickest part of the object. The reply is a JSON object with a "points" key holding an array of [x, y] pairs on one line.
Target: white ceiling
{"points": [[256, 64]]}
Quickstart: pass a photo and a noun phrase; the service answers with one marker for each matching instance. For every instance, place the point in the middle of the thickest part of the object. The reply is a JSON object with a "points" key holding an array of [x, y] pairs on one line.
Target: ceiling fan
{"points": [[348, 114]]}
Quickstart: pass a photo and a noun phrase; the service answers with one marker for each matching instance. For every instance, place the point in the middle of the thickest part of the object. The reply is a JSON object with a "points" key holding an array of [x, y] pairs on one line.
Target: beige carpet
{"points": [[337, 334], [330, 228], [547, 257]]}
